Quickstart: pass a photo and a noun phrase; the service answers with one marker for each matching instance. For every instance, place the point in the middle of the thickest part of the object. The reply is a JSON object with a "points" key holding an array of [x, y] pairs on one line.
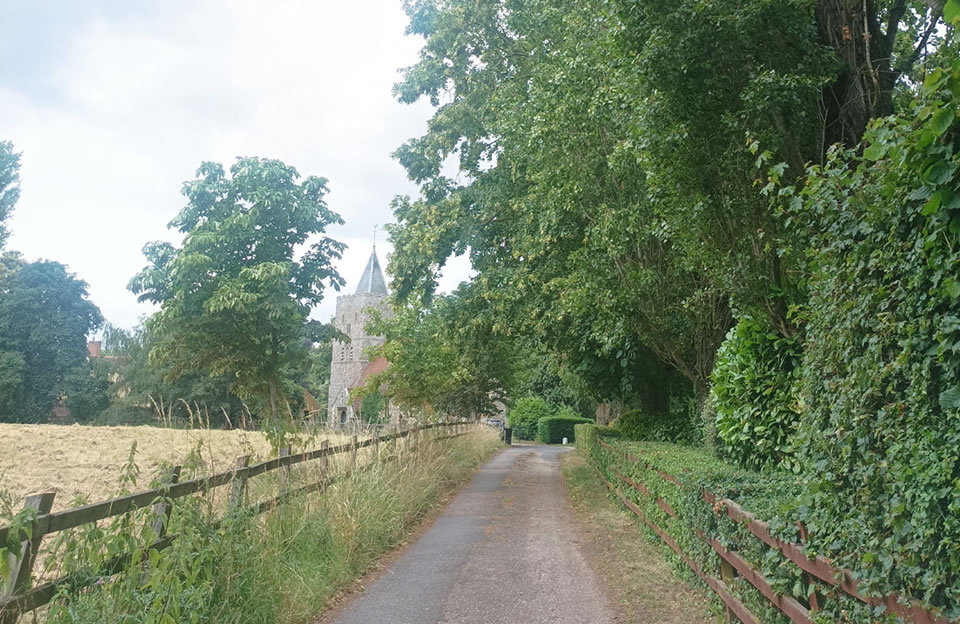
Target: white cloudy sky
{"points": [[115, 103]]}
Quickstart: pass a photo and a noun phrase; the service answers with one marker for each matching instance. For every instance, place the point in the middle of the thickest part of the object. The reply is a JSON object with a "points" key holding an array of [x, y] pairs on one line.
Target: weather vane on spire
{"points": [[375, 225]]}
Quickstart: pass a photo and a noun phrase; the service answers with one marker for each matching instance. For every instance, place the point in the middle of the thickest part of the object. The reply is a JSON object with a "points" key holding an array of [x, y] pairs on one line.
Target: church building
{"points": [[350, 366]]}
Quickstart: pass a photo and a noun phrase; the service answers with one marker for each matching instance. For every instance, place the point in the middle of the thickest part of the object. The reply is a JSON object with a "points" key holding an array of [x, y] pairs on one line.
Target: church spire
{"points": [[372, 282]]}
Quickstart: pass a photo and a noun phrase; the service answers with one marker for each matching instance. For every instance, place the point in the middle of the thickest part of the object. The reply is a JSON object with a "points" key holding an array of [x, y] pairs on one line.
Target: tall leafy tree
{"points": [[45, 317], [445, 356], [9, 185], [142, 389], [236, 296]]}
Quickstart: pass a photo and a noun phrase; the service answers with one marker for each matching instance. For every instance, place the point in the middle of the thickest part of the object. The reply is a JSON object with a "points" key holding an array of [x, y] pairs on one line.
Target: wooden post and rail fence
{"points": [[734, 568], [17, 593]]}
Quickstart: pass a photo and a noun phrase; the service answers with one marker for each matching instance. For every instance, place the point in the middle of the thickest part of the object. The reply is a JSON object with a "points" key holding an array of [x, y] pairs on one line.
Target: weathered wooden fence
{"points": [[734, 567], [19, 596]]}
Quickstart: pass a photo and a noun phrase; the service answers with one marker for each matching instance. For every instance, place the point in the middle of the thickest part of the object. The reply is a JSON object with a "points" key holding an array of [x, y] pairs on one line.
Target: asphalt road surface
{"points": [[505, 551]]}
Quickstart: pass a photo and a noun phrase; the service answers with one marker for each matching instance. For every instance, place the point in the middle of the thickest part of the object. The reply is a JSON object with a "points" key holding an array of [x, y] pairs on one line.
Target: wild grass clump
{"points": [[228, 565]]}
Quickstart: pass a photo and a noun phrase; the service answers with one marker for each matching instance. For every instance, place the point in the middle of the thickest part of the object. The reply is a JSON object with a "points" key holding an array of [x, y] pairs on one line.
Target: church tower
{"points": [[349, 365]]}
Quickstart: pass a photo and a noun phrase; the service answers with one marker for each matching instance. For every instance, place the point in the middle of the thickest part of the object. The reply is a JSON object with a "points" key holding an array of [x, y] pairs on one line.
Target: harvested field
{"points": [[80, 461]]}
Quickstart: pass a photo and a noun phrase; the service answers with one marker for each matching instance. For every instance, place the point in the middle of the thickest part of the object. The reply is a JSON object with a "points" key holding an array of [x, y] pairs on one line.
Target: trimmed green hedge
{"points": [[771, 497], [640, 425], [553, 429]]}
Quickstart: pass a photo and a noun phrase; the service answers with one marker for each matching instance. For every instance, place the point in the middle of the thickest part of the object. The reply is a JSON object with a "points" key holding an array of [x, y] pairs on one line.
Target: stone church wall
{"points": [[350, 358]]}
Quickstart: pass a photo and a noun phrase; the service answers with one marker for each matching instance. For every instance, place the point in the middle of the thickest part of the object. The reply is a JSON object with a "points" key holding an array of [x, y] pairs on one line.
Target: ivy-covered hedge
{"points": [[880, 438], [770, 497], [554, 429]]}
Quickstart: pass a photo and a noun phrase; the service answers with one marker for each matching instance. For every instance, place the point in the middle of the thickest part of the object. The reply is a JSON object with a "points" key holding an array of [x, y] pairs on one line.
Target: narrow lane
{"points": [[504, 551]]}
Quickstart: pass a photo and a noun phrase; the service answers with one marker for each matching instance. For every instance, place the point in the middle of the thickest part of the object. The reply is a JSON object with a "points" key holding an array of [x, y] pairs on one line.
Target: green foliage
{"points": [[444, 356], [86, 391], [45, 317], [146, 392], [525, 414], [638, 424], [374, 406], [553, 429], [881, 424], [9, 186], [754, 396], [236, 297]]}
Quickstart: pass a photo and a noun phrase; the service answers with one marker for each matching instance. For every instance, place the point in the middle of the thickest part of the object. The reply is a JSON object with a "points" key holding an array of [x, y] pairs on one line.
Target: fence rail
{"points": [[733, 566], [18, 596]]}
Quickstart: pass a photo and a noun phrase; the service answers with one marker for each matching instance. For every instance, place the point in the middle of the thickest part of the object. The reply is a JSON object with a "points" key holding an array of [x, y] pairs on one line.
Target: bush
{"points": [[552, 430], [754, 396], [640, 425], [881, 427], [525, 414]]}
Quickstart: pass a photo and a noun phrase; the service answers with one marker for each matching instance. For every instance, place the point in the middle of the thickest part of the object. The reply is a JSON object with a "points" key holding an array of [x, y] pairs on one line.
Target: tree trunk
{"points": [[863, 88], [274, 394]]}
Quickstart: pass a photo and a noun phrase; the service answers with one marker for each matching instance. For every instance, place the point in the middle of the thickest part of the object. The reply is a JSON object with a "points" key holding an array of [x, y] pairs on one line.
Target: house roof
{"points": [[372, 282]]}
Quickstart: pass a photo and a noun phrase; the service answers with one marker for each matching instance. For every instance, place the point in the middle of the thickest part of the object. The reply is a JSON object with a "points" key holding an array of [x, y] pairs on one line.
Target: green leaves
{"points": [[9, 186], [236, 297], [951, 11], [45, 317], [942, 119], [952, 287]]}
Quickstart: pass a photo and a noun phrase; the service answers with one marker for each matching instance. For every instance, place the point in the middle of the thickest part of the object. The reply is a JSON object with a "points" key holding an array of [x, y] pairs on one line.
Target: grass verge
{"points": [[279, 568], [641, 580]]}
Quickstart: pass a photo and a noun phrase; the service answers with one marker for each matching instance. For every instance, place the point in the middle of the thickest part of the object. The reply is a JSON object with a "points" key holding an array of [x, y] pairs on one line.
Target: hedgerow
{"points": [[880, 438], [638, 424], [552, 430], [769, 496]]}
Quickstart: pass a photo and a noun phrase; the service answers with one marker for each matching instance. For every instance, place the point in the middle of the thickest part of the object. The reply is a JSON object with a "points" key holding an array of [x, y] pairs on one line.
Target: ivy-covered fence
{"points": [[761, 572]]}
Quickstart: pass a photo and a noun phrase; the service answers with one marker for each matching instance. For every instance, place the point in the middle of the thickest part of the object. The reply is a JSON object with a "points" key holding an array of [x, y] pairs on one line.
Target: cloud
{"points": [[115, 105]]}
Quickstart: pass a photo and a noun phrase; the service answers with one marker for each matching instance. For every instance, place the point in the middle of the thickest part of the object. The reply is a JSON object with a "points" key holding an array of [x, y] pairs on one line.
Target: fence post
{"points": [[285, 471], [162, 510], [415, 439], [324, 460], [393, 440], [814, 601], [21, 568], [353, 453], [239, 482], [376, 444], [726, 575]]}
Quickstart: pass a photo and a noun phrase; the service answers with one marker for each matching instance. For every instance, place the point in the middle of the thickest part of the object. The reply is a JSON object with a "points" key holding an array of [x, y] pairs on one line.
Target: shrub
{"points": [[552, 430], [525, 414], [754, 396], [640, 425]]}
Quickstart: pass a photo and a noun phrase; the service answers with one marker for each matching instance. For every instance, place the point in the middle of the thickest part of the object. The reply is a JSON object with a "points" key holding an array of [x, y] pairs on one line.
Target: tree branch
{"points": [[893, 26], [907, 64]]}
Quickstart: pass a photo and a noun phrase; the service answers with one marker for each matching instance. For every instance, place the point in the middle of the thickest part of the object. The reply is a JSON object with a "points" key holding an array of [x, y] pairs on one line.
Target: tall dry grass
{"points": [[80, 462], [281, 567]]}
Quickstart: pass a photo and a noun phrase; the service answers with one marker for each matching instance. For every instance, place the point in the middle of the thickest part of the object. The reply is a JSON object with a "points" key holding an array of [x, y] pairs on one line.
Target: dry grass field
{"points": [[76, 460]]}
